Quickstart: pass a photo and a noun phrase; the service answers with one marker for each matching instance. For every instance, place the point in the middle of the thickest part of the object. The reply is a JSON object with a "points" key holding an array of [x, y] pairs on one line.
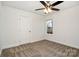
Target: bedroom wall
{"points": [[0, 26], [65, 27], [19, 27], [0, 18]]}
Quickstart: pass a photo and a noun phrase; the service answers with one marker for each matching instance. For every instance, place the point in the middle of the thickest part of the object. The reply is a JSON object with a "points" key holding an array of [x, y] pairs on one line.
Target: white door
{"points": [[25, 27]]}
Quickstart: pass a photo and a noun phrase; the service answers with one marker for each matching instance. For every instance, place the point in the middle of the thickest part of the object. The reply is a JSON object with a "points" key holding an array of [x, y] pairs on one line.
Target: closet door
{"points": [[25, 27]]}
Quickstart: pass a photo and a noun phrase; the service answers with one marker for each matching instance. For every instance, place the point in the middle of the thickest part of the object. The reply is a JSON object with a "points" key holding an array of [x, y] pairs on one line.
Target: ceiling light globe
{"points": [[49, 10], [45, 10]]}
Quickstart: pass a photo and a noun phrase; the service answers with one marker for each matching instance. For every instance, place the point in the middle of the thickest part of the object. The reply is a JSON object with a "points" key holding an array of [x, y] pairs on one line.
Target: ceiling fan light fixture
{"points": [[49, 10], [46, 11], [48, 7]]}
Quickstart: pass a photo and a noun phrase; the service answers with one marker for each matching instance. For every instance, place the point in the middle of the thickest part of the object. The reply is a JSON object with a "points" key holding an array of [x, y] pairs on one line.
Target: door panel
{"points": [[25, 29]]}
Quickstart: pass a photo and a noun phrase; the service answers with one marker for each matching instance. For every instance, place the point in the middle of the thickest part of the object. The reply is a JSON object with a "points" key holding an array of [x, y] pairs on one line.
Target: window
{"points": [[50, 27]]}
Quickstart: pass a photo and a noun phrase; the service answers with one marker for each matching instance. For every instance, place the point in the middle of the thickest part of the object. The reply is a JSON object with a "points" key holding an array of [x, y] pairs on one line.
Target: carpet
{"points": [[43, 48]]}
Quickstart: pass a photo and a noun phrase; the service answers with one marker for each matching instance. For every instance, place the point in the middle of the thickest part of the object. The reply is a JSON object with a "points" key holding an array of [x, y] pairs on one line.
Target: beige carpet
{"points": [[42, 48]]}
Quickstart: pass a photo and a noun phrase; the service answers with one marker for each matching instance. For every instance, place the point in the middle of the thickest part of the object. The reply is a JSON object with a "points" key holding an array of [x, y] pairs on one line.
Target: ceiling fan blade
{"points": [[55, 9], [39, 9], [47, 1], [56, 3], [44, 4]]}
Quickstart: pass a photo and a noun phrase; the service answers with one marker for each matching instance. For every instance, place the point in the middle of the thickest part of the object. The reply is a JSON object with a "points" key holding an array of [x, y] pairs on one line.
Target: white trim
{"points": [[64, 43], [17, 44]]}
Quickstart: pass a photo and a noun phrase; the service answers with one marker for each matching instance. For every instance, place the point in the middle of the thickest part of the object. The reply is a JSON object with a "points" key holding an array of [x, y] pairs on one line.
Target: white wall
{"points": [[16, 26], [65, 27], [0, 26], [0, 18]]}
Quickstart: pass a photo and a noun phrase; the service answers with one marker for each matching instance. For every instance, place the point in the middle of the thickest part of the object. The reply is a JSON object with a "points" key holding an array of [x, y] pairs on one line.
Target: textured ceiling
{"points": [[32, 5]]}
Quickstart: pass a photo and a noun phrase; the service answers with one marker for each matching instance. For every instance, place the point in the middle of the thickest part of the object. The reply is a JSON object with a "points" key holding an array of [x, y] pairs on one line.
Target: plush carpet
{"points": [[42, 48]]}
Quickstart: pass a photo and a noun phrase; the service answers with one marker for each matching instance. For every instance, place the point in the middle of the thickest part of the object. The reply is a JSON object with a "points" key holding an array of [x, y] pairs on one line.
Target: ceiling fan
{"points": [[48, 6]]}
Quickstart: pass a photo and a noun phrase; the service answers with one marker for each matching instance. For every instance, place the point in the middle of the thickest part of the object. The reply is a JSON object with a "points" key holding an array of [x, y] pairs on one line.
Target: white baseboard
{"points": [[19, 43], [74, 46]]}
